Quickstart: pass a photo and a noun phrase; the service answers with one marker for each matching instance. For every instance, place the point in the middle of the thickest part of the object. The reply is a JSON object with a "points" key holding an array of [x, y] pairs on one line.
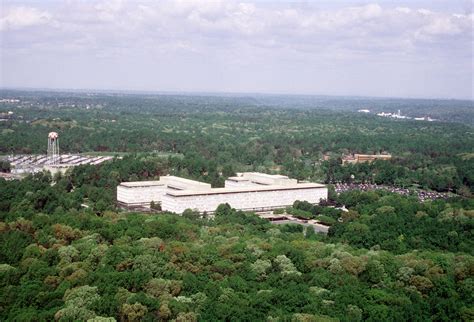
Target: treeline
{"points": [[409, 172], [95, 186], [238, 135], [76, 265], [445, 110], [66, 254], [383, 220]]}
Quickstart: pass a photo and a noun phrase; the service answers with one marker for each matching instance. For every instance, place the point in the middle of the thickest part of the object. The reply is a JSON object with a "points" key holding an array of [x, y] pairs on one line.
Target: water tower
{"points": [[53, 148]]}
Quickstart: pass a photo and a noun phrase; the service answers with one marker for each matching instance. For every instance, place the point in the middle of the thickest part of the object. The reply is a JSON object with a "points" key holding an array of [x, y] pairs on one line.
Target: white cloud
{"points": [[110, 10], [247, 34], [403, 9], [187, 21], [444, 28], [22, 17], [424, 12]]}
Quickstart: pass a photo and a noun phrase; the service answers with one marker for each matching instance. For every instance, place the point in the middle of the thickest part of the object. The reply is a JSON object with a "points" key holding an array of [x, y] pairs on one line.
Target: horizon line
{"points": [[217, 93]]}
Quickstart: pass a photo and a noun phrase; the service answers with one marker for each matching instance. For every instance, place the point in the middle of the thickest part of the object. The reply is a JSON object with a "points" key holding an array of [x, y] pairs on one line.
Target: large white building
{"points": [[142, 193], [248, 191]]}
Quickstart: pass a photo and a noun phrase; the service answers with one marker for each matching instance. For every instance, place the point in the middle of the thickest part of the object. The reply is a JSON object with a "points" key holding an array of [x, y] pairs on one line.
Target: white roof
{"points": [[170, 181], [181, 193], [264, 175], [237, 179], [173, 179], [134, 184]]}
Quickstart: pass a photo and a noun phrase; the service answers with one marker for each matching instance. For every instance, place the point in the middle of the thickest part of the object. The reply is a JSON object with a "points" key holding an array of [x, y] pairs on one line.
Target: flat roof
{"points": [[237, 179], [265, 175], [165, 179], [135, 184], [373, 155], [215, 191], [170, 181]]}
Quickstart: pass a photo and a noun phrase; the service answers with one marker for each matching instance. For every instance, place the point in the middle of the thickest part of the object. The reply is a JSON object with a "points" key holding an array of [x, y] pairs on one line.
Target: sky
{"points": [[363, 48]]}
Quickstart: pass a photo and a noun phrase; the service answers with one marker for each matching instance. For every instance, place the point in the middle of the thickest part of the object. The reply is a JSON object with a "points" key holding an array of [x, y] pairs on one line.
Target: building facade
{"points": [[244, 198], [249, 191], [141, 193]]}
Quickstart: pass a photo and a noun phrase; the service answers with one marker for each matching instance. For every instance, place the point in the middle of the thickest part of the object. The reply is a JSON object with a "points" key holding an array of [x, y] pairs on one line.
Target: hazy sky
{"points": [[385, 48]]}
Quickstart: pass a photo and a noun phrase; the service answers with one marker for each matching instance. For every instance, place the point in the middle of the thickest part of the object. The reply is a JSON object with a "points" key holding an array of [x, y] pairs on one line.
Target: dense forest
{"points": [[267, 134], [67, 253], [388, 258]]}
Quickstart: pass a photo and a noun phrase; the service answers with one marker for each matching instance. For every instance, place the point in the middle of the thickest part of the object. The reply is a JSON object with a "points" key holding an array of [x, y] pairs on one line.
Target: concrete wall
{"points": [[135, 196], [249, 200], [249, 191], [142, 193]]}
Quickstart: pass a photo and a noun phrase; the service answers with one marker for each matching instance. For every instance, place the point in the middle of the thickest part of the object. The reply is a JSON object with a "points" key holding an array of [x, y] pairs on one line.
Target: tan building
{"points": [[359, 158]]}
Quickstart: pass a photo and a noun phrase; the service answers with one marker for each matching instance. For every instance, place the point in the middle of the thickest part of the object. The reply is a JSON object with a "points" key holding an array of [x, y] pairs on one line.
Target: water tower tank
{"points": [[53, 135]]}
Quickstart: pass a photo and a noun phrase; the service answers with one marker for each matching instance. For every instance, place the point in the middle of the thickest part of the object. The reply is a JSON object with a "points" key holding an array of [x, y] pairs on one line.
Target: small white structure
{"points": [[53, 148], [248, 191]]}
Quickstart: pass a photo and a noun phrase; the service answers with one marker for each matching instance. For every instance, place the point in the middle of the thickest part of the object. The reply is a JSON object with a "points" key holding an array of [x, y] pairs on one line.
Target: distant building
{"points": [[53, 161], [427, 118], [31, 163], [9, 176], [5, 116], [363, 111], [399, 115], [249, 191], [8, 100], [359, 158]]}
